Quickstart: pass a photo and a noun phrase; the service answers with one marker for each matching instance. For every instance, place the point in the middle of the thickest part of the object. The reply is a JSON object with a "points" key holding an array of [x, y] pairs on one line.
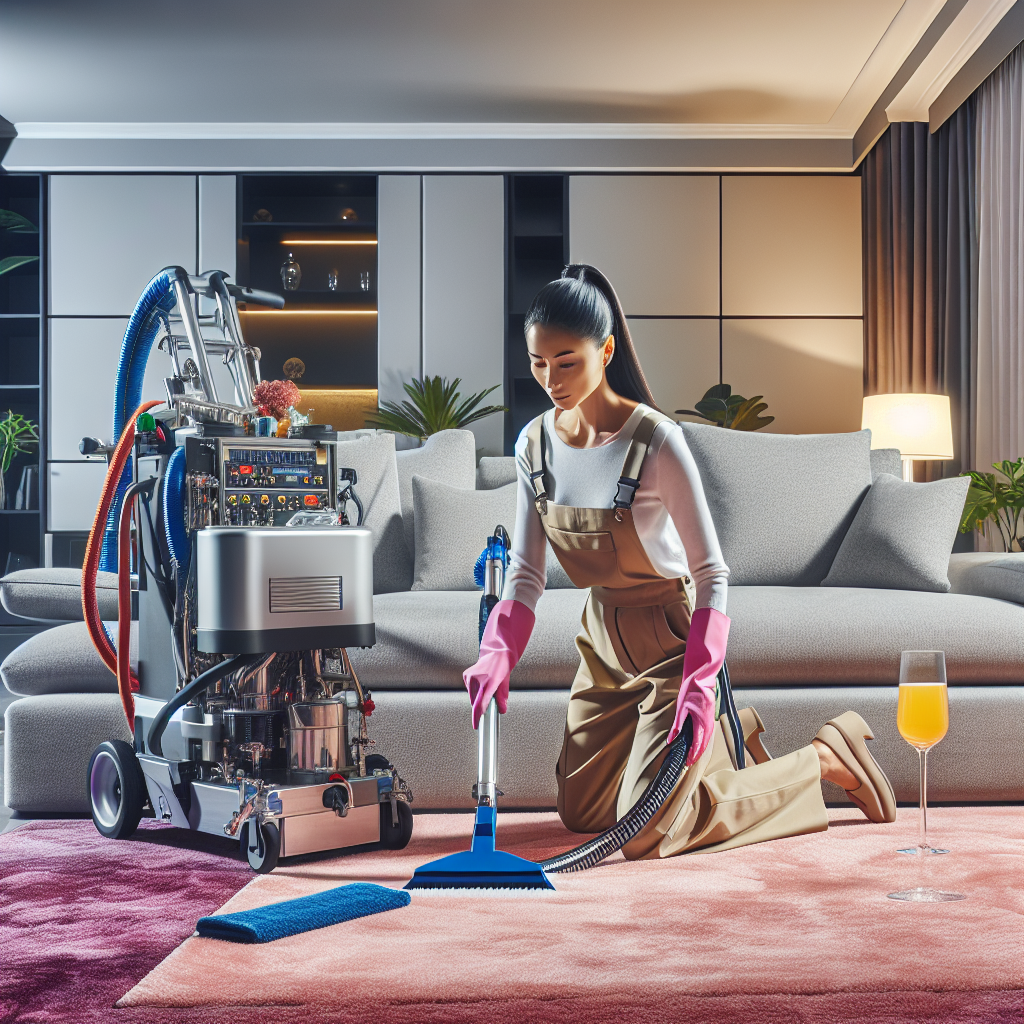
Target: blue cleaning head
{"points": [[497, 548]]}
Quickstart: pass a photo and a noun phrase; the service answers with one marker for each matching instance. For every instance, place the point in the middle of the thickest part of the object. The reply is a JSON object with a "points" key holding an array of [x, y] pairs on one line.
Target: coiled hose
{"points": [[90, 568], [639, 816], [173, 503], [156, 301]]}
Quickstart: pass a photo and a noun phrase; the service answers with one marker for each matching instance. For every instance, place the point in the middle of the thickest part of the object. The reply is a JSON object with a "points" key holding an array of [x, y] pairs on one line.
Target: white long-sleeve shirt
{"points": [[670, 511]]}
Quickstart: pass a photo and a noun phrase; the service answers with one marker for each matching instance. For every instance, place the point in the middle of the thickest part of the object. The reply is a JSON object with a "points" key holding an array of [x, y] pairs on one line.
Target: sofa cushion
{"points": [[836, 635], [452, 527], [781, 503], [55, 594], [988, 574], [902, 535], [48, 743], [448, 456], [426, 641], [63, 660], [495, 471], [886, 460], [373, 458]]}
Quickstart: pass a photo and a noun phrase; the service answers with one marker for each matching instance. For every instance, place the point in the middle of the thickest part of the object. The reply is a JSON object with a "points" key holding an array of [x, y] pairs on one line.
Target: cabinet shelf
{"points": [[348, 226]]}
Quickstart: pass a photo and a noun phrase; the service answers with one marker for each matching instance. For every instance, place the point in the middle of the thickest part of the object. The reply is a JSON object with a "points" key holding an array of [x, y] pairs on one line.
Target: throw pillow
{"points": [[781, 503], [448, 456], [452, 527], [902, 536], [373, 459]]}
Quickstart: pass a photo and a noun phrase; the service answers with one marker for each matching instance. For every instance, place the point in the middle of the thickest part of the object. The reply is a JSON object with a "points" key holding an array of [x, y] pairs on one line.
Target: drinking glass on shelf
{"points": [[922, 718]]}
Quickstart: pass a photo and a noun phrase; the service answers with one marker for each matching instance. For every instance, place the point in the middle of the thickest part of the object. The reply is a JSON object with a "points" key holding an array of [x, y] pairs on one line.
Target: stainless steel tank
{"points": [[263, 589]]}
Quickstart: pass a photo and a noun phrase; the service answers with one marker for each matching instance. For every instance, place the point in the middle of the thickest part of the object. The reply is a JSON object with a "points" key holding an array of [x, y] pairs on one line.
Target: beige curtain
{"points": [[1000, 379]]}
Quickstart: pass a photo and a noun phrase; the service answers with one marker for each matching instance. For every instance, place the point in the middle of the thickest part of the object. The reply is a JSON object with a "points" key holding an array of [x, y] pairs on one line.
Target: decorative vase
{"points": [[291, 274]]}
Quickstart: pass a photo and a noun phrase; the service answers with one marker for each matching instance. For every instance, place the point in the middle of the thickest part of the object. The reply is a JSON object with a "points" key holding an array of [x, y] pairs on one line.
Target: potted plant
{"points": [[997, 498], [734, 412], [16, 224], [434, 404], [17, 434]]}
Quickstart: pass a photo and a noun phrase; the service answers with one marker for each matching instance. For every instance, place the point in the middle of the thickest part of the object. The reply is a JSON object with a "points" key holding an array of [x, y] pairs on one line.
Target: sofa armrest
{"points": [[55, 595], [988, 574]]}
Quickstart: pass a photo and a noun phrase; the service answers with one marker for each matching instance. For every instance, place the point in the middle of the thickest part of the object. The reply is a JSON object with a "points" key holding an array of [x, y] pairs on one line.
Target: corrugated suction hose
{"points": [[637, 818]]}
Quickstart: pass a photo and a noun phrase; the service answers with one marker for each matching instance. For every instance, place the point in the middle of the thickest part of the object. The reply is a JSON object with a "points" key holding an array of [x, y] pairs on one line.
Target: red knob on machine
{"points": [[311, 501]]}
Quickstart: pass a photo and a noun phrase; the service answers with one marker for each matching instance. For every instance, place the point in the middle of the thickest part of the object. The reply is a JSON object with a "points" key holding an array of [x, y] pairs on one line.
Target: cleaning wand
{"points": [[483, 866]]}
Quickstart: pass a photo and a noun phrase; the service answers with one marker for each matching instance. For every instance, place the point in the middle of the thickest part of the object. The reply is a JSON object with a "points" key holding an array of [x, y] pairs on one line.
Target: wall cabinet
{"points": [[464, 288], [110, 234]]}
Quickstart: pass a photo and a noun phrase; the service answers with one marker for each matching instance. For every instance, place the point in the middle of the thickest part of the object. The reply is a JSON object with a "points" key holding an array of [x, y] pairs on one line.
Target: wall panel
{"points": [[109, 234], [809, 371], [655, 237], [464, 288], [218, 245], [791, 245], [83, 367], [679, 357], [73, 494], [399, 278]]}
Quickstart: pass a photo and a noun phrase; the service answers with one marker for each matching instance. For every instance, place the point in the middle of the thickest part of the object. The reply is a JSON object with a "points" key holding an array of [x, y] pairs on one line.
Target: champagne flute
{"points": [[922, 718]]}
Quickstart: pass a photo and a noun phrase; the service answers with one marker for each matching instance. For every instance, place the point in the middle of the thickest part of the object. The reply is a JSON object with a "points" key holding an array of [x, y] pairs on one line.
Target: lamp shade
{"points": [[918, 425]]}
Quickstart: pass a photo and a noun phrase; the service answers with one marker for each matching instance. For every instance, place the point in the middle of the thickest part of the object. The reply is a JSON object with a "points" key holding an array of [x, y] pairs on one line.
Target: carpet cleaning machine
{"points": [[249, 584]]}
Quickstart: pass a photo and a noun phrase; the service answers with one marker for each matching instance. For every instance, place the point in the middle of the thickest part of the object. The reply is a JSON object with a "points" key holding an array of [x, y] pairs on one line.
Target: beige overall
{"points": [[623, 699]]}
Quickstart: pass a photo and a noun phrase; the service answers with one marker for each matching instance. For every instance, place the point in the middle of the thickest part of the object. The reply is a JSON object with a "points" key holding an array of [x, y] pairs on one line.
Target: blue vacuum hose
{"points": [[174, 511], [156, 301]]}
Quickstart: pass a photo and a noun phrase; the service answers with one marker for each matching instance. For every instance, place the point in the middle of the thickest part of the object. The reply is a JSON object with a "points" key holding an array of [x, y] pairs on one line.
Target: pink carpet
{"points": [[82, 918], [795, 930]]}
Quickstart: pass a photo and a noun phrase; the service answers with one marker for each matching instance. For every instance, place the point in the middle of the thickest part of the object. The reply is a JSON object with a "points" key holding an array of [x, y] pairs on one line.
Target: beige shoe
{"points": [[845, 737], [752, 726]]}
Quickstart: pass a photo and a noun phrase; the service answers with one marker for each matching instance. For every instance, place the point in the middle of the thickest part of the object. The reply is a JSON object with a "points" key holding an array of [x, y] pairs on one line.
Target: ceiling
{"points": [[690, 61], [672, 69]]}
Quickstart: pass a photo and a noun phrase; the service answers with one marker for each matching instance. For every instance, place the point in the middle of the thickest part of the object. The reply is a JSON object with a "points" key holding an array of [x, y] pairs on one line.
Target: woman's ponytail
{"points": [[583, 302]]}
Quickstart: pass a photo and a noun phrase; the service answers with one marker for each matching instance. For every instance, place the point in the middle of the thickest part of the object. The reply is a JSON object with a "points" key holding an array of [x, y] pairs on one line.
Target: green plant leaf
{"points": [[17, 434], [748, 415], [714, 409], [10, 262], [722, 391], [16, 224], [434, 404]]}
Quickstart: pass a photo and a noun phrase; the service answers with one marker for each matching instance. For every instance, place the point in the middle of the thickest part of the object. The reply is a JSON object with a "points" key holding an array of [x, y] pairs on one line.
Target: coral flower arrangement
{"points": [[276, 397]]}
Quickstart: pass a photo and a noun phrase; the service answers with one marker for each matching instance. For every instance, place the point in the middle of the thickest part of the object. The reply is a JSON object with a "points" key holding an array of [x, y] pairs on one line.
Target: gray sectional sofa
{"points": [[798, 651]]}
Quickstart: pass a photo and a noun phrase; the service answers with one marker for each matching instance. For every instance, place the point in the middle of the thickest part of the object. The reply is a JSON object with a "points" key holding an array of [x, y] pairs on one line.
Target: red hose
{"points": [[126, 682]]}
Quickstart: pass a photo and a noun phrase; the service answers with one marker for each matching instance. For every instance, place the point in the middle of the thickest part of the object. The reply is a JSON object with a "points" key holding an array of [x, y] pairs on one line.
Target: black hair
{"points": [[583, 302]]}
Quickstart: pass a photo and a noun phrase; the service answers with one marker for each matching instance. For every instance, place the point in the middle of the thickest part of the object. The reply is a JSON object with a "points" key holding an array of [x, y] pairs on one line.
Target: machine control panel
{"points": [[264, 482]]}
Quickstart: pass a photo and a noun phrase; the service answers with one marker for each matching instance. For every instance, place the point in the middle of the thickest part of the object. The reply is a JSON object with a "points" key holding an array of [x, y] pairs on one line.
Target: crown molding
{"points": [[969, 30], [417, 130]]}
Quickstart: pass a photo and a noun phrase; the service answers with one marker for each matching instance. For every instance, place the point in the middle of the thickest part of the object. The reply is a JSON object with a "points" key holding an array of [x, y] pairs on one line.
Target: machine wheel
{"points": [[261, 845], [395, 837], [377, 762], [117, 789]]}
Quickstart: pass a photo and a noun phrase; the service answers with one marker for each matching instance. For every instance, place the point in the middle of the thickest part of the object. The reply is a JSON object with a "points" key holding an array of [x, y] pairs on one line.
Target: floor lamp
{"points": [[918, 425]]}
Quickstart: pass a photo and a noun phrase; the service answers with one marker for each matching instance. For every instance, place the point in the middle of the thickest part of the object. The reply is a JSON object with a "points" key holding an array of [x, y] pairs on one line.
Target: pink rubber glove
{"points": [[506, 634], [705, 655]]}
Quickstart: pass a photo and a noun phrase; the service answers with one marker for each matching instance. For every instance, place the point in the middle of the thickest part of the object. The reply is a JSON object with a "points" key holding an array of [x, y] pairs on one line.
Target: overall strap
{"points": [[639, 445], [535, 467]]}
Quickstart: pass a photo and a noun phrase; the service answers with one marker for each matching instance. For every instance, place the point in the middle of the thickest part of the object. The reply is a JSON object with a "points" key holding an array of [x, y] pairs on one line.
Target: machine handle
{"points": [[261, 298]]}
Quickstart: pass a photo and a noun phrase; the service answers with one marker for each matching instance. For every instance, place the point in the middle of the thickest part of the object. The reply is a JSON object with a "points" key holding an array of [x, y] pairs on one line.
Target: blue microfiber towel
{"points": [[264, 924]]}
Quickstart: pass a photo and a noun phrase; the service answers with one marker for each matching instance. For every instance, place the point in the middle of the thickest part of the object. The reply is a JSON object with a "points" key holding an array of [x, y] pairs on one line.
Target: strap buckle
{"points": [[625, 492], [541, 502]]}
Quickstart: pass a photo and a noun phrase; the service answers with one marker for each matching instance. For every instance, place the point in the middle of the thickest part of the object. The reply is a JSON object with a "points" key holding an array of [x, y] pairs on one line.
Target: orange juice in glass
{"points": [[922, 717], [923, 713]]}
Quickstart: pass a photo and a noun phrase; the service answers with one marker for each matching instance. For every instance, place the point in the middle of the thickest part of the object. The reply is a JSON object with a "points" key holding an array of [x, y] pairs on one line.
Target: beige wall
{"points": [[760, 274]]}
